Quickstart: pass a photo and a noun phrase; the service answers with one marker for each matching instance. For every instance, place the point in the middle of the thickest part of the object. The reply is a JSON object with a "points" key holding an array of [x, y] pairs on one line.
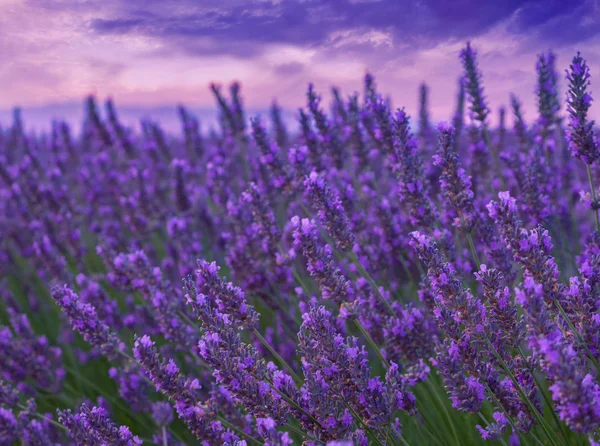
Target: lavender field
{"points": [[364, 277]]}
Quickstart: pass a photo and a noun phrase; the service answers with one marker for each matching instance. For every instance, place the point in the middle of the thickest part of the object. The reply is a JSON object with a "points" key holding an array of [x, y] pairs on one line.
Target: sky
{"points": [[151, 55]]}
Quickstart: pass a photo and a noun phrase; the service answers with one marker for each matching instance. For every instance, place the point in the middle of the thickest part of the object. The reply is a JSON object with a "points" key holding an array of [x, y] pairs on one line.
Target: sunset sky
{"points": [[150, 55]]}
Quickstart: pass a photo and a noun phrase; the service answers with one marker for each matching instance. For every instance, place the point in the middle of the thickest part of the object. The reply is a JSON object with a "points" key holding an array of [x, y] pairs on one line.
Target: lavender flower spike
{"points": [[229, 299], [454, 181], [330, 211], [85, 320], [320, 264], [183, 392], [583, 142], [472, 81], [548, 103], [94, 427]]}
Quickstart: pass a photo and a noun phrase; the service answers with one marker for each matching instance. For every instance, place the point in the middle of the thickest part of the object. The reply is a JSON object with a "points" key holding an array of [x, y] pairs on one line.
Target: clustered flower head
{"points": [[583, 142], [367, 279], [473, 84], [93, 426]]}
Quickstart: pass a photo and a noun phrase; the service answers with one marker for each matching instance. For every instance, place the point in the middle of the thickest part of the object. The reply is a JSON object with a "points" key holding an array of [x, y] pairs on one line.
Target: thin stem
{"points": [[43, 417], [220, 418], [404, 442], [499, 404], [523, 395], [546, 399], [429, 428], [362, 423], [433, 391], [473, 250], [593, 189], [164, 436], [367, 276], [488, 142], [403, 263], [276, 355], [576, 333], [372, 343], [487, 423], [226, 423], [294, 404], [300, 432]]}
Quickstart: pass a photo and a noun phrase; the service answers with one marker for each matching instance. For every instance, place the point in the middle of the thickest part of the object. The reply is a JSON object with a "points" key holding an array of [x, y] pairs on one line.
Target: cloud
{"points": [[155, 52], [557, 23], [288, 69], [256, 24], [116, 26]]}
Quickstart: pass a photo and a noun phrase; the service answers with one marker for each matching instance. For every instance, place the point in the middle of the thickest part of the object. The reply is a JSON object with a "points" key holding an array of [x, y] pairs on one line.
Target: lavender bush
{"points": [[364, 281]]}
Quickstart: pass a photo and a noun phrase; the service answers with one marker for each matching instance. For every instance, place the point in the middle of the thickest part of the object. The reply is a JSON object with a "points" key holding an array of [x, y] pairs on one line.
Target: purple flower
{"points": [[583, 142], [9, 428], [330, 211], [319, 261], [472, 82], [264, 218], [8, 396], [330, 140], [466, 393], [85, 320], [224, 296], [184, 393], [496, 429], [530, 248], [281, 133], [24, 355], [93, 426], [267, 429], [409, 172], [278, 175], [240, 369], [575, 392], [356, 138], [454, 181], [311, 143], [507, 326], [162, 413], [547, 92], [337, 374]]}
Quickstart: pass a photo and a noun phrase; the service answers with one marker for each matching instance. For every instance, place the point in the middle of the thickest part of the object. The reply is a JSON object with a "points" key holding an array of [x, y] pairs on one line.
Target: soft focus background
{"points": [[153, 54]]}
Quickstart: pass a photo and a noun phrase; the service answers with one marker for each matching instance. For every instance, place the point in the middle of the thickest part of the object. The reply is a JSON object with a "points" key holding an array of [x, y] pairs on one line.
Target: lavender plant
{"points": [[367, 279]]}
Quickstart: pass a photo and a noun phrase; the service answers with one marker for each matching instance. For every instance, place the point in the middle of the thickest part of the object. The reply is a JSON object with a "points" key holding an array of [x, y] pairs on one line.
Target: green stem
{"points": [[488, 142], [576, 333], [404, 264], [294, 404], [367, 276], [487, 423], [239, 431], [429, 428], [276, 355], [544, 395], [362, 423], [372, 343], [43, 417], [300, 432], [497, 402], [523, 395], [444, 409], [404, 442], [593, 189], [473, 250]]}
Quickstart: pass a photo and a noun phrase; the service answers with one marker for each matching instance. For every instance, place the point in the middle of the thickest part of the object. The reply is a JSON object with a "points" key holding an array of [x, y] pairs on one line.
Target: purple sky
{"points": [[150, 55]]}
